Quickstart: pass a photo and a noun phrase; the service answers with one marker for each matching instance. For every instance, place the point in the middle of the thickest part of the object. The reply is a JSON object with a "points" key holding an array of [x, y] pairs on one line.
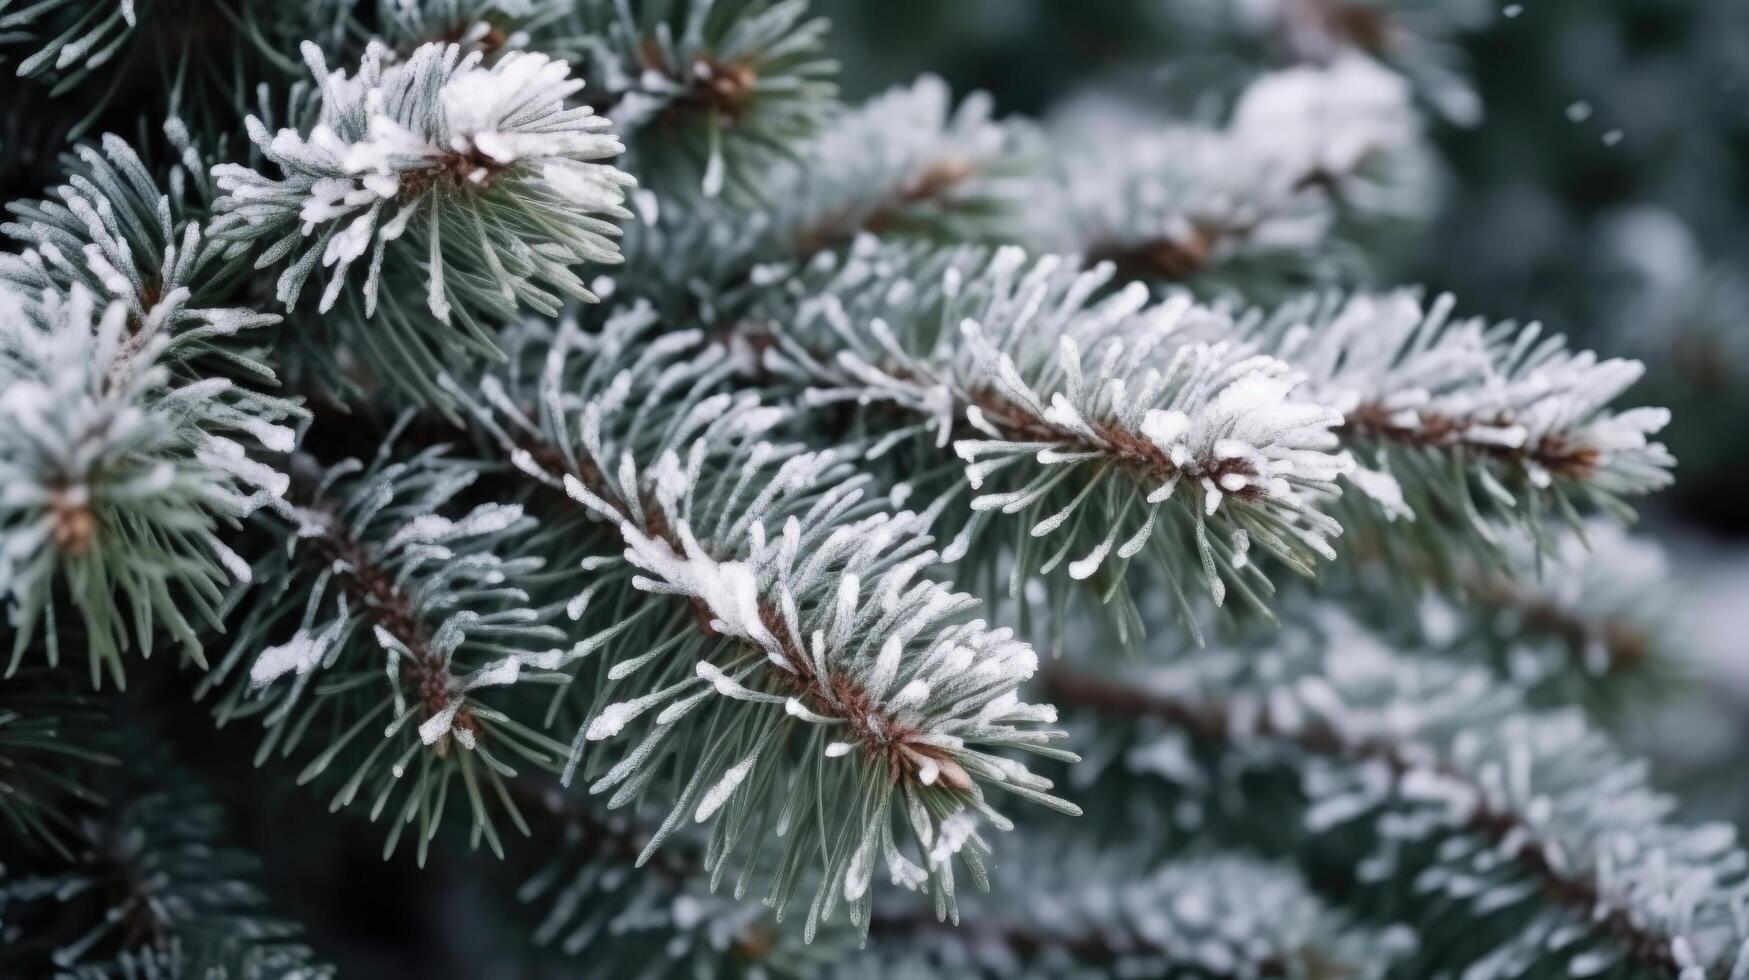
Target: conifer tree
{"points": [[799, 536]]}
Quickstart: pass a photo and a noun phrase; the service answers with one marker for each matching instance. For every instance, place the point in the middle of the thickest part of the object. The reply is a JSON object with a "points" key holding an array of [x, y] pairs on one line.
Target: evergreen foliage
{"points": [[572, 417]]}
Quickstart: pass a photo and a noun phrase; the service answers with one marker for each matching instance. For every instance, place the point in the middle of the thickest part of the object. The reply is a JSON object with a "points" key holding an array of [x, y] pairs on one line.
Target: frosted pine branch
{"points": [[711, 93], [906, 158], [906, 164], [1071, 910], [1604, 599], [1462, 792], [1107, 424], [118, 478], [1306, 151], [1457, 420], [111, 231], [469, 192], [68, 42], [815, 639], [397, 625], [492, 27], [1416, 38]]}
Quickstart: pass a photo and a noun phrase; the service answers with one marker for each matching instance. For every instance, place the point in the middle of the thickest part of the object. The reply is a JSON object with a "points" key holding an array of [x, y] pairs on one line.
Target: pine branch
{"points": [[1073, 910], [148, 889], [1472, 432], [712, 92], [588, 905], [775, 627], [1465, 794], [906, 164], [907, 160], [103, 58], [1184, 442], [113, 232], [1269, 196], [1598, 594], [1465, 428], [50, 742], [378, 585], [473, 187], [119, 476], [1417, 39]]}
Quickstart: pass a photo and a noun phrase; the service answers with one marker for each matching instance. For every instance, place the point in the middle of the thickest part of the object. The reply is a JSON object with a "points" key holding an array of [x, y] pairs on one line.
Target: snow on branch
{"points": [[69, 40], [468, 192], [1066, 906], [111, 231], [712, 93], [906, 158], [811, 664], [1556, 847], [117, 477], [907, 163], [1110, 424], [1602, 602], [1464, 423], [393, 621], [1269, 194], [1418, 39]]}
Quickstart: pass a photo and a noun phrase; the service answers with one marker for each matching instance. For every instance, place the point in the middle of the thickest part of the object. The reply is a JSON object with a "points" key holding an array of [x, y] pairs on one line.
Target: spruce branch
{"points": [[492, 27], [1461, 432], [50, 741], [112, 231], [385, 616], [1468, 428], [1463, 793], [1189, 450], [1070, 910], [711, 92], [1415, 38], [68, 36], [1600, 597], [473, 188], [584, 897], [788, 649], [119, 476], [907, 164], [908, 160], [101, 58], [147, 890], [1309, 157]]}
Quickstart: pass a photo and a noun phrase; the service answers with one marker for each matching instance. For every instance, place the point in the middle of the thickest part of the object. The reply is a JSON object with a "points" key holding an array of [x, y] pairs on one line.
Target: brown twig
{"points": [[387, 604], [833, 694], [1555, 452]]}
